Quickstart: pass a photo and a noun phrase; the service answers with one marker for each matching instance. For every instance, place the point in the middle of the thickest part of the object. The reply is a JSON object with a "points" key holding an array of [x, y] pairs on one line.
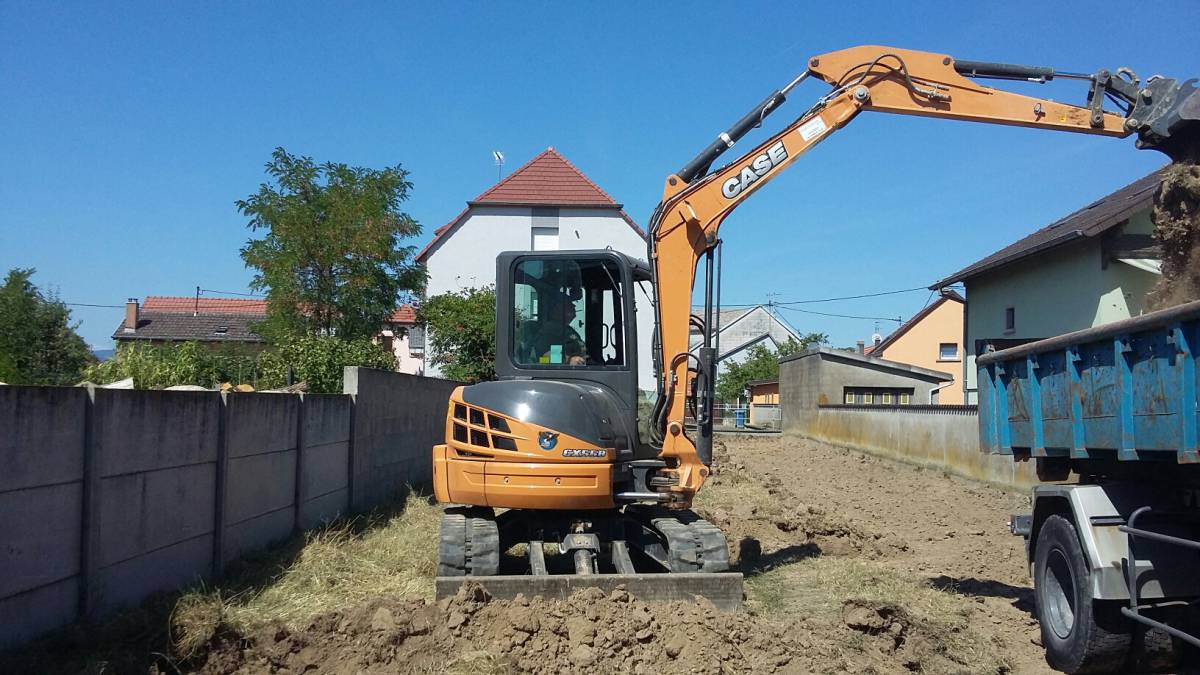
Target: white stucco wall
{"points": [[466, 257], [407, 361], [1065, 289]]}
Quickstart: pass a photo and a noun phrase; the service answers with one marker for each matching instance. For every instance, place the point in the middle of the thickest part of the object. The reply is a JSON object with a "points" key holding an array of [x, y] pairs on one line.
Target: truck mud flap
{"points": [[723, 590]]}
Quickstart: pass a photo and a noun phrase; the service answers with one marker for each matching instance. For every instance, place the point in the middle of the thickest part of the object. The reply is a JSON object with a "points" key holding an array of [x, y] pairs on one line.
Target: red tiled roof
{"points": [[164, 303], [404, 314], [546, 180], [179, 305]]}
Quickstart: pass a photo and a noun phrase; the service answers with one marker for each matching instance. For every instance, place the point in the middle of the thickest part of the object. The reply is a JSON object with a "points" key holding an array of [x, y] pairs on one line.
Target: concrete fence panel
{"points": [[398, 418], [42, 431], [323, 483], [258, 471], [107, 496], [153, 495]]}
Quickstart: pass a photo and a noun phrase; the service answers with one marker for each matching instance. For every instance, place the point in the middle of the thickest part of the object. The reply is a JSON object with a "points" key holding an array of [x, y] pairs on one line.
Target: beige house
{"points": [[1090, 268], [933, 339]]}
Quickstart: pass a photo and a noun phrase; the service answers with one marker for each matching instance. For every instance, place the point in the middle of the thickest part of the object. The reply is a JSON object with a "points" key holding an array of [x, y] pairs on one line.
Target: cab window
{"points": [[567, 313]]}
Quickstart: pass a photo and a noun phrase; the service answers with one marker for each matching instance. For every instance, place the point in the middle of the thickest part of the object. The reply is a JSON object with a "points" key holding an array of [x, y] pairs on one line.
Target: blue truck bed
{"points": [[1125, 391]]}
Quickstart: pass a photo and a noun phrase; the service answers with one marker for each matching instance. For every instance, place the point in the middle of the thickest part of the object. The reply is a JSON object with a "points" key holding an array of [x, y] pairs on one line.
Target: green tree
{"points": [[461, 333], [760, 364], [331, 261], [38, 342]]}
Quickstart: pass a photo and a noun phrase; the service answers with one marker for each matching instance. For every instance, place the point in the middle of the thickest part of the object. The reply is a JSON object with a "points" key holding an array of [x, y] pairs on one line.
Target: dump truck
{"points": [[1109, 415]]}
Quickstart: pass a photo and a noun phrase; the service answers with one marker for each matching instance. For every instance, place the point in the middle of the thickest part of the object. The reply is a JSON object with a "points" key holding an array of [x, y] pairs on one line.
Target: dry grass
{"points": [[341, 565], [820, 587]]}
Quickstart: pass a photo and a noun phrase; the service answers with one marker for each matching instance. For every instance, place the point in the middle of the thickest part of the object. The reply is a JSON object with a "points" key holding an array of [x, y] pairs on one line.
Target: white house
{"points": [[742, 328], [546, 205]]}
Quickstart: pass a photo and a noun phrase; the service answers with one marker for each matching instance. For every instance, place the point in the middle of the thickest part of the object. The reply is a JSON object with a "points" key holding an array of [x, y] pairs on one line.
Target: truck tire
{"points": [[1080, 634]]}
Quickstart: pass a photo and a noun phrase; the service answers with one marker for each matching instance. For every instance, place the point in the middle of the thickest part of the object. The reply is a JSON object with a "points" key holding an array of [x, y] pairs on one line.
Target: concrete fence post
{"points": [[221, 483], [350, 388], [298, 496], [90, 513]]}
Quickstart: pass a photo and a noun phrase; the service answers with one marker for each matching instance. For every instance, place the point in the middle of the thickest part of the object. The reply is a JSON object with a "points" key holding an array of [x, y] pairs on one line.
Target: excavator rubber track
{"points": [[655, 554]]}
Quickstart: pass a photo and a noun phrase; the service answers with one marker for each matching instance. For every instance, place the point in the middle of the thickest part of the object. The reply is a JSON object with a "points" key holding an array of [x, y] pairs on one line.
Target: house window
{"points": [[948, 351], [876, 396], [544, 239], [1010, 319]]}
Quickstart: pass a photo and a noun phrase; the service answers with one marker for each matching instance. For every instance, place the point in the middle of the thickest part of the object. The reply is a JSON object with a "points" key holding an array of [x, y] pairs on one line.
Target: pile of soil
{"points": [[589, 632], [1176, 217]]}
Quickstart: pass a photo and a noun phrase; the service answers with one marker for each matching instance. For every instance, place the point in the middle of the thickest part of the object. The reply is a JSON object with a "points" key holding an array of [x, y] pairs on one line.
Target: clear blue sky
{"points": [[127, 130]]}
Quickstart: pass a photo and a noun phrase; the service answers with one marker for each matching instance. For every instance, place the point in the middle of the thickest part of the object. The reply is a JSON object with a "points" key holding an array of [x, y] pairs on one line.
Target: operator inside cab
{"points": [[567, 313]]}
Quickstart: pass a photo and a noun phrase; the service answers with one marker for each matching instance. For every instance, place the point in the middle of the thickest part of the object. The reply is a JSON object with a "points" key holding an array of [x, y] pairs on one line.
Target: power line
{"points": [[247, 295], [772, 302], [844, 316], [88, 304], [854, 297]]}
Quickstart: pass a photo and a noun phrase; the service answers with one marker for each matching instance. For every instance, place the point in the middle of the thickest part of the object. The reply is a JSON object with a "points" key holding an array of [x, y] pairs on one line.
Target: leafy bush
{"points": [[167, 365], [319, 361], [315, 360], [462, 333]]}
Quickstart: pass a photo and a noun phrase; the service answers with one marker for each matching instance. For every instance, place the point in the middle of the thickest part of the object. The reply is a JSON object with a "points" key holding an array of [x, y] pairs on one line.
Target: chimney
{"points": [[878, 339], [132, 314], [862, 347]]}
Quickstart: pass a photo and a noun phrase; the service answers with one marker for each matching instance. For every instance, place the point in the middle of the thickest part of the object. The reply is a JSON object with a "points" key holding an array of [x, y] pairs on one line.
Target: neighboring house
{"points": [[213, 321], [403, 337], [1090, 268], [824, 376], [740, 329], [545, 205], [764, 402], [932, 340]]}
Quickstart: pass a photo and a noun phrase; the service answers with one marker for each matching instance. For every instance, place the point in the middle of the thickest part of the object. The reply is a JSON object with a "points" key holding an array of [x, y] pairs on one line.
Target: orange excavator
{"points": [[565, 445]]}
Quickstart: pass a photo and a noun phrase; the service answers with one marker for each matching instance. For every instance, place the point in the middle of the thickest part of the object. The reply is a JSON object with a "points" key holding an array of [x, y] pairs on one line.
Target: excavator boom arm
{"points": [[1163, 112]]}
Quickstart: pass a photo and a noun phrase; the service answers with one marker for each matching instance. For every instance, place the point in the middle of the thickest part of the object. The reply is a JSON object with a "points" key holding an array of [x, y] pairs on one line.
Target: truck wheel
{"points": [[1080, 634], [468, 543]]}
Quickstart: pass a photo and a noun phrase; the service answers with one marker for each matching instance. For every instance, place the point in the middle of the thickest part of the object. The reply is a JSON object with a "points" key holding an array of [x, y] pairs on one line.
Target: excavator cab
{"points": [[558, 427], [569, 317]]}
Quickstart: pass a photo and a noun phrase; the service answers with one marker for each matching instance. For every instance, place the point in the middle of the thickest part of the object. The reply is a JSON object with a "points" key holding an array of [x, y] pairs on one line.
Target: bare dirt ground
{"points": [[946, 534], [853, 564]]}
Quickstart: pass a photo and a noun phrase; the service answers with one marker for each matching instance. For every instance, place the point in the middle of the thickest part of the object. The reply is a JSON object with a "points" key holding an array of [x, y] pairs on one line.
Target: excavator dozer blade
{"points": [[722, 589]]}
